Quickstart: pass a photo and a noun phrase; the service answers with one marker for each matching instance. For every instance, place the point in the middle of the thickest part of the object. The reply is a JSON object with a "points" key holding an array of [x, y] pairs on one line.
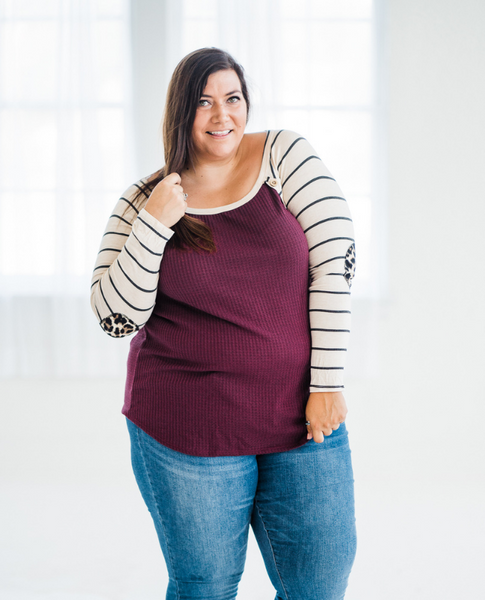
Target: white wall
{"points": [[418, 435], [431, 390], [75, 527]]}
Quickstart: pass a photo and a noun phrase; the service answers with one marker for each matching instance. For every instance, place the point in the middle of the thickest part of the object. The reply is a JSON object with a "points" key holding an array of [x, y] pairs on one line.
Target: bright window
{"points": [[64, 150]]}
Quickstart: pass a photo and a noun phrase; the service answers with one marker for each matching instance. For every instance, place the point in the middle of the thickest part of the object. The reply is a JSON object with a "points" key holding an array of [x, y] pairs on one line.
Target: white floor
{"points": [[73, 526]]}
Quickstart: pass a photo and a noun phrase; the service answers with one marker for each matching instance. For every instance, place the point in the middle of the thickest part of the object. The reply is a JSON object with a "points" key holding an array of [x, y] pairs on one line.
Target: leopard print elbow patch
{"points": [[350, 265], [117, 325]]}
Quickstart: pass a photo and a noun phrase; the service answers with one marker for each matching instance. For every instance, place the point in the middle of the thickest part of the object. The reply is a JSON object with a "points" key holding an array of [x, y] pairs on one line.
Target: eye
{"points": [[234, 99], [201, 102]]}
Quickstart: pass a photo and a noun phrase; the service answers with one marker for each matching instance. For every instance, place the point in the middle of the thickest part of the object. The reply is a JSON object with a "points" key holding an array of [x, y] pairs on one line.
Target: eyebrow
{"points": [[228, 94]]}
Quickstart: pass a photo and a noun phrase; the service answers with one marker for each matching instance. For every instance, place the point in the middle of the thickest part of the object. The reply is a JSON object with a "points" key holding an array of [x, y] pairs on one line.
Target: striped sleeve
{"points": [[125, 276], [314, 198]]}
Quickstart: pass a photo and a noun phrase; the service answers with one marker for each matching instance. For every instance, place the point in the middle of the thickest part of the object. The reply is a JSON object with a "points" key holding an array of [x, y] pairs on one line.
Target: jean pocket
{"points": [[336, 441], [338, 438]]}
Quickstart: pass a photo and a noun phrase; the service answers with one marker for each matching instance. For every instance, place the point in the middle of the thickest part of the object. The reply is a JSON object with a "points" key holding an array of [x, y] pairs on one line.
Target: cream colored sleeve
{"points": [[125, 277], [314, 198]]}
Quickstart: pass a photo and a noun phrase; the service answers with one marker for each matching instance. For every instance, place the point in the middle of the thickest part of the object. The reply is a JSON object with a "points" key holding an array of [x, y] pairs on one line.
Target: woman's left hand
{"points": [[325, 411]]}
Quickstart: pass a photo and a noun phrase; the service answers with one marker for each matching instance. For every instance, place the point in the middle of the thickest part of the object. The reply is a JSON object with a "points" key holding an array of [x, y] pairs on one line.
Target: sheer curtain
{"points": [[67, 107], [65, 154]]}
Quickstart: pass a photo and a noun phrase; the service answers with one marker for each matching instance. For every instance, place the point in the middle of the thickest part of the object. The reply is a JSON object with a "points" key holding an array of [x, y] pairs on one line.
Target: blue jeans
{"points": [[300, 504]]}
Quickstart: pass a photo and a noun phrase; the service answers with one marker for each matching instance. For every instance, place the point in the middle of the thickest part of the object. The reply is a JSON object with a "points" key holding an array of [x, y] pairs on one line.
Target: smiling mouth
{"points": [[219, 134]]}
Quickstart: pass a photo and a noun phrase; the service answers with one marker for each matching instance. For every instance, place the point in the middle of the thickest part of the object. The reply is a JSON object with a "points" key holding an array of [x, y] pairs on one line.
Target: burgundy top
{"points": [[222, 367]]}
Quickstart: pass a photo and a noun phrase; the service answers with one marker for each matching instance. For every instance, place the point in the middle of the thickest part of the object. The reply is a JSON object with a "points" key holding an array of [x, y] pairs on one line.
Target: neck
{"points": [[209, 169]]}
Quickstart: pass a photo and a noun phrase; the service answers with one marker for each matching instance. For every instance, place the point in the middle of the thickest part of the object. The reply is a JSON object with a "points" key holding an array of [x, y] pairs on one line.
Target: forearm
{"points": [[125, 277]]}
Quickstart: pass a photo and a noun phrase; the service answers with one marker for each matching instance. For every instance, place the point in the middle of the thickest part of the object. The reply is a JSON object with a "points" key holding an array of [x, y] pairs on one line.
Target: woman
{"points": [[233, 394]]}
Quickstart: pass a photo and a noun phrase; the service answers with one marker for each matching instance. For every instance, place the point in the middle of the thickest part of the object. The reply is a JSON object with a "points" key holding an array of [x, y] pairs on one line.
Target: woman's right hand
{"points": [[167, 201]]}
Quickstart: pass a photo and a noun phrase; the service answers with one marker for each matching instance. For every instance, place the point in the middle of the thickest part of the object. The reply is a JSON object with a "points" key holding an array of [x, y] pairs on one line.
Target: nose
{"points": [[220, 113]]}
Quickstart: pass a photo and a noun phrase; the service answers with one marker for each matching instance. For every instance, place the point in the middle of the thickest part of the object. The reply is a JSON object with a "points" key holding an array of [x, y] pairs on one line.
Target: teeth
{"points": [[220, 132]]}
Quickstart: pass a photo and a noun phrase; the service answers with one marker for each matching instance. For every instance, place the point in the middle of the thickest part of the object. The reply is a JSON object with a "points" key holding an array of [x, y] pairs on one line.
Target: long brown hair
{"points": [[184, 91]]}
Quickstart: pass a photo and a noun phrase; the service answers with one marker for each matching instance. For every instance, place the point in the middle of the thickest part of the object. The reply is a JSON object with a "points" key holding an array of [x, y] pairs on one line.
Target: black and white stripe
{"points": [[314, 198], [125, 277]]}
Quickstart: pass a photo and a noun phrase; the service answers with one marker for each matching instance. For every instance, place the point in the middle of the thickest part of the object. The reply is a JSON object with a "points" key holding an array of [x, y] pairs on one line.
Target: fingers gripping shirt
{"points": [[312, 195], [125, 277]]}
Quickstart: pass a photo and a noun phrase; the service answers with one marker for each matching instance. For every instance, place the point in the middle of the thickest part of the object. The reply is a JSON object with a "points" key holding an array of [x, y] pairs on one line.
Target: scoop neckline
{"points": [[249, 196]]}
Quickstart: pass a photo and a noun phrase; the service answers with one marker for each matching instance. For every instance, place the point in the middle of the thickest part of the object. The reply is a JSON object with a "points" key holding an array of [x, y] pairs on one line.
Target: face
{"points": [[220, 119]]}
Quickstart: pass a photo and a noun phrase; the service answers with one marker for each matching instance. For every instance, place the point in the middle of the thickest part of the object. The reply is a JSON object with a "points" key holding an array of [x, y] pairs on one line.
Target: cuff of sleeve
{"points": [[156, 224], [326, 380], [330, 388], [151, 231]]}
